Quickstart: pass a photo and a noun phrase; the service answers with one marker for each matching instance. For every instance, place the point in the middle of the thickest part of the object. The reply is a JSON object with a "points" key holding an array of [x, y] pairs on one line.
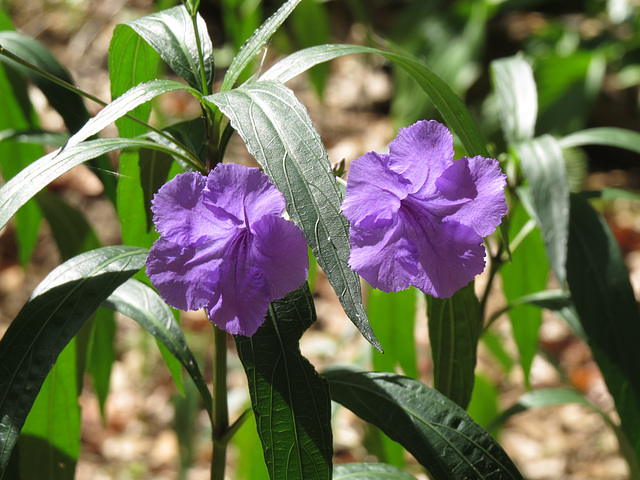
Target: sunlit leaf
{"points": [[253, 45], [171, 34], [122, 105], [142, 304], [517, 97], [543, 166], [57, 309], [448, 103], [279, 134], [437, 432], [39, 174], [369, 471], [609, 136], [290, 399]]}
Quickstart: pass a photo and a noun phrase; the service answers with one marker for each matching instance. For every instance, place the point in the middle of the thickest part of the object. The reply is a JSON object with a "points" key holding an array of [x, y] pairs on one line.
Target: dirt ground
{"points": [[138, 440]]}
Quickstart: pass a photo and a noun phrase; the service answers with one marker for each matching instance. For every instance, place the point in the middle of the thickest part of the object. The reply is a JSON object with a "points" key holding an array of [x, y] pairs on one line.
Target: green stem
{"points": [[496, 262], [204, 88], [192, 159], [220, 407]]}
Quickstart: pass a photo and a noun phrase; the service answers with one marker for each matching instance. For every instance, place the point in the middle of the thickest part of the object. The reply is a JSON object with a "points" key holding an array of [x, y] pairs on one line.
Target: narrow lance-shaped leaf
{"points": [[55, 312], [392, 314], [517, 97], [68, 104], [126, 102], [279, 134], [142, 304], [49, 443], [603, 296], [17, 113], [454, 330], [290, 399], [452, 109], [39, 174], [259, 38], [527, 273], [171, 34], [609, 136], [543, 166], [437, 432], [369, 471]]}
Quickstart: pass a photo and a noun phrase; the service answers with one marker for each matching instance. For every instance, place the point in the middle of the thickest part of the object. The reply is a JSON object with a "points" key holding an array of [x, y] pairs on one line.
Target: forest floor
{"points": [[137, 438]]}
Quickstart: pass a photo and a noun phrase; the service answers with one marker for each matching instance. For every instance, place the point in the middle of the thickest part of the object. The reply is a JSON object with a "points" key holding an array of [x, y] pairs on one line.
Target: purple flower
{"points": [[417, 217], [225, 247]]}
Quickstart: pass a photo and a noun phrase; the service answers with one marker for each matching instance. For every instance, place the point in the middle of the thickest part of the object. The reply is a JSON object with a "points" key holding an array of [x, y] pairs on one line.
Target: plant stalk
{"points": [[220, 406]]}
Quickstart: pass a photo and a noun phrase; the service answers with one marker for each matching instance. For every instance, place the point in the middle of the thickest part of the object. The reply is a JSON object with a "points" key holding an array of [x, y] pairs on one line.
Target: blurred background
{"points": [[585, 57]]}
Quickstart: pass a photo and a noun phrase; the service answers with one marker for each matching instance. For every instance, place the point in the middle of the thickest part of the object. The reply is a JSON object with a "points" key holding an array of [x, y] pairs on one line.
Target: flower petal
{"points": [[451, 255], [242, 294], [484, 212], [421, 152], [280, 250], [241, 193], [384, 257], [373, 192], [179, 215], [186, 277]]}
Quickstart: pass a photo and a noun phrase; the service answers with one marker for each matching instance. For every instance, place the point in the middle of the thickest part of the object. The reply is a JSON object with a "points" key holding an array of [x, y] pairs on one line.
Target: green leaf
{"points": [[543, 167], [601, 291], [259, 39], [557, 396], [568, 85], [171, 34], [517, 97], [55, 312], [557, 301], [122, 105], [247, 443], [279, 134], [35, 137], [608, 136], [49, 443], [369, 471], [131, 62], [454, 330], [17, 113], [15, 193], [483, 406], [101, 354], [310, 22], [438, 433], [142, 304], [68, 104], [448, 103], [393, 317], [527, 273], [71, 231], [290, 399]]}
